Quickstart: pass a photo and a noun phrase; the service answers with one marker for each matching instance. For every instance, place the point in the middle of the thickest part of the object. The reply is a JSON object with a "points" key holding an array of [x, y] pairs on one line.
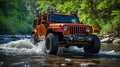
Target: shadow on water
{"points": [[47, 61], [85, 56], [63, 60], [108, 51]]}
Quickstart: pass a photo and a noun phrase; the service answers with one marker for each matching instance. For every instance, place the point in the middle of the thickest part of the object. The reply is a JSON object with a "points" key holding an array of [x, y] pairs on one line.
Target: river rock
{"points": [[105, 40], [116, 40], [1, 63]]}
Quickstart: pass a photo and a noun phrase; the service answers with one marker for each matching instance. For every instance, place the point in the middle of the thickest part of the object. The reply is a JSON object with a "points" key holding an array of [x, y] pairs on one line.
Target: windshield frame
{"points": [[58, 16]]}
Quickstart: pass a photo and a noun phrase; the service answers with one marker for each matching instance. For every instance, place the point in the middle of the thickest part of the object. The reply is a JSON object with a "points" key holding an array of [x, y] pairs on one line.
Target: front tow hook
{"points": [[80, 39]]}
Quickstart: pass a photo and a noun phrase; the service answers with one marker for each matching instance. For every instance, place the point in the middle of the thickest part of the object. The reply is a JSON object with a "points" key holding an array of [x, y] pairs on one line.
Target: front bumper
{"points": [[78, 38]]}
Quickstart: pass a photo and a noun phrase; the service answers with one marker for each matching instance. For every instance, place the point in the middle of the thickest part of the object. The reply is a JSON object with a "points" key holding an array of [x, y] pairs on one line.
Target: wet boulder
{"points": [[105, 40], [117, 40], [1, 63]]}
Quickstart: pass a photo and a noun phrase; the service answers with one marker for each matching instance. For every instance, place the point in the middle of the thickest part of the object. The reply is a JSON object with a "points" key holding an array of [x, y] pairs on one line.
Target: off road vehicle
{"points": [[61, 30]]}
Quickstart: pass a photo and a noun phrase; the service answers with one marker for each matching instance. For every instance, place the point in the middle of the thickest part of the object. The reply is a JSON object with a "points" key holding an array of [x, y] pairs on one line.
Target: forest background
{"points": [[17, 16]]}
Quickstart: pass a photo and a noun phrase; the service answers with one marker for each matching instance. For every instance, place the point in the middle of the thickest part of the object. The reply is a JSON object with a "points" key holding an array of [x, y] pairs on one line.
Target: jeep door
{"points": [[43, 26], [38, 28]]}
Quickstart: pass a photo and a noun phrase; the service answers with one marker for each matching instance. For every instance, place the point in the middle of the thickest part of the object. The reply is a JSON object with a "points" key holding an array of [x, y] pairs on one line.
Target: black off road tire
{"points": [[33, 39], [51, 42], [94, 46]]}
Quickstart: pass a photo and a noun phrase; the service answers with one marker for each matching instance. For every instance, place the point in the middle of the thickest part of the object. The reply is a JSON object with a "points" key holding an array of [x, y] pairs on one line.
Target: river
{"points": [[21, 53]]}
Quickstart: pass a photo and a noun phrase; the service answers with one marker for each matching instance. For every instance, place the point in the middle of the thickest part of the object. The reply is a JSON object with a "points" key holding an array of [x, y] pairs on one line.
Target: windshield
{"points": [[63, 18]]}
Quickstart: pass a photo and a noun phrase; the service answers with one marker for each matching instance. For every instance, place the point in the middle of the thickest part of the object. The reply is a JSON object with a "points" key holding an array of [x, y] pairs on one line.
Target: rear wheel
{"points": [[33, 39], [51, 44], [94, 46]]}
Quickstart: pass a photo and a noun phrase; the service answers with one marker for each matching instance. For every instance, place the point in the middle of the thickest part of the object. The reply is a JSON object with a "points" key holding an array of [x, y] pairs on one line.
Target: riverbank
{"points": [[110, 38]]}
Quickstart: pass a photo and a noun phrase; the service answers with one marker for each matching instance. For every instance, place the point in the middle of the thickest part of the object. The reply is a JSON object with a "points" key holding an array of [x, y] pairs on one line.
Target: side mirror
{"points": [[43, 21]]}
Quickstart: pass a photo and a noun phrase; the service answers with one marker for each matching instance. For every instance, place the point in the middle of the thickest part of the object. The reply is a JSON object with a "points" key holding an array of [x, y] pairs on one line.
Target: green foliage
{"points": [[12, 19], [66, 8], [3, 23], [116, 19], [44, 6], [16, 16], [107, 28]]}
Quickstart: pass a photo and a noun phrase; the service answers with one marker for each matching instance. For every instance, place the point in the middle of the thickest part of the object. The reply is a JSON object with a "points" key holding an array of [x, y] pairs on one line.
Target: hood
{"points": [[66, 24]]}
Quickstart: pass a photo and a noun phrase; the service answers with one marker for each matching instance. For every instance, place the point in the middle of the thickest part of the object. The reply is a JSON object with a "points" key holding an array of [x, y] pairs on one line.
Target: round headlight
{"points": [[65, 28], [88, 29]]}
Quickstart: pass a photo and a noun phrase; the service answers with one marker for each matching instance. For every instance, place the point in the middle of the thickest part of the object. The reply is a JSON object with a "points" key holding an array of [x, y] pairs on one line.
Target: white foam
{"points": [[22, 47], [25, 47], [111, 52]]}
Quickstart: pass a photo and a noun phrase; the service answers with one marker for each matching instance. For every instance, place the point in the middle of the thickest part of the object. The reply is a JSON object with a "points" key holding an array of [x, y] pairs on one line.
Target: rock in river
{"points": [[105, 40], [116, 40]]}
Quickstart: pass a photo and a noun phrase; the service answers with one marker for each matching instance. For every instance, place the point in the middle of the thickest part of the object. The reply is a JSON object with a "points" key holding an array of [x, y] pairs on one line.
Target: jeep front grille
{"points": [[77, 30]]}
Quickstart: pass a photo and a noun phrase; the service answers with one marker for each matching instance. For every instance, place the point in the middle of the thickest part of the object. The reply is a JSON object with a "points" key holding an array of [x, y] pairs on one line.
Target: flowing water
{"points": [[22, 47], [22, 53]]}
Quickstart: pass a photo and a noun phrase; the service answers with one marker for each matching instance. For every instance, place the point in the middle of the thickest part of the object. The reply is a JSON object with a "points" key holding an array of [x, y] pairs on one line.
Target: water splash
{"points": [[22, 47], [112, 52], [25, 47]]}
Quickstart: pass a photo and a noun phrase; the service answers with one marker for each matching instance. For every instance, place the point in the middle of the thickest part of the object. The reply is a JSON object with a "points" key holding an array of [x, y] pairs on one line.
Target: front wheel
{"points": [[51, 44], [94, 46]]}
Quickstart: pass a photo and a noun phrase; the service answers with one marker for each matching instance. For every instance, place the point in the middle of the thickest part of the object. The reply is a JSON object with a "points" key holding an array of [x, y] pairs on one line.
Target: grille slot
{"points": [[77, 30]]}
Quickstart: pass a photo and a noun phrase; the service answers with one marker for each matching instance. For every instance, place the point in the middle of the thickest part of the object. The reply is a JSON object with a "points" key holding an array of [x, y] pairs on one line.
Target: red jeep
{"points": [[61, 30]]}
